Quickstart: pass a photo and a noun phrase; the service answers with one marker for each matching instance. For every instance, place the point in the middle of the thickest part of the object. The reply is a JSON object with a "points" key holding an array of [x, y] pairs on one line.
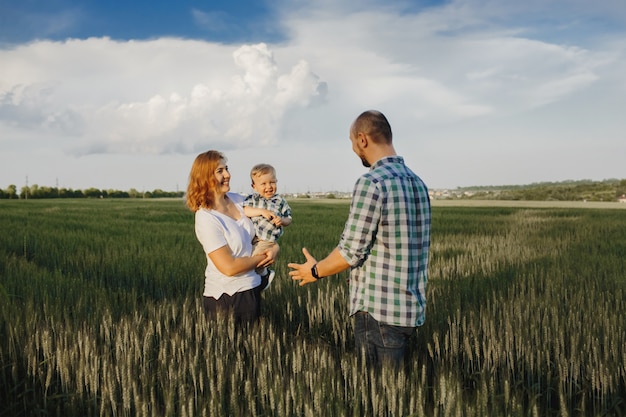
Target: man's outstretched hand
{"points": [[302, 272]]}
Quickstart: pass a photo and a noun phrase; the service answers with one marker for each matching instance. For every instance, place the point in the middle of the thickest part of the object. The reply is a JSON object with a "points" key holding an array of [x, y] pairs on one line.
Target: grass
{"points": [[100, 315]]}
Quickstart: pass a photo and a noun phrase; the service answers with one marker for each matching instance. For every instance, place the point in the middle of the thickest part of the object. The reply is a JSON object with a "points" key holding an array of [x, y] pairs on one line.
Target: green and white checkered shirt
{"points": [[265, 230], [386, 241]]}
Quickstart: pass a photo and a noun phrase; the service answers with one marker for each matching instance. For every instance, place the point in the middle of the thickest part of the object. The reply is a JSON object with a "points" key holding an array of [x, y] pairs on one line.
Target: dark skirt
{"points": [[245, 306]]}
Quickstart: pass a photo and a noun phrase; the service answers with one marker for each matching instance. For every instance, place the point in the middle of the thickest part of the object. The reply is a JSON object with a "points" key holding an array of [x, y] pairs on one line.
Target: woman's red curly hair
{"points": [[202, 182]]}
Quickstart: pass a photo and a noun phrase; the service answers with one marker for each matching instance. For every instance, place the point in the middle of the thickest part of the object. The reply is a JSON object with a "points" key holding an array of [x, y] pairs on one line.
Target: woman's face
{"points": [[222, 177]]}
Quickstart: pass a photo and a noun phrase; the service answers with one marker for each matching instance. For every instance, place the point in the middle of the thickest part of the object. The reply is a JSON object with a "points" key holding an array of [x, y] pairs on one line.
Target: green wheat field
{"points": [[100, 315]]}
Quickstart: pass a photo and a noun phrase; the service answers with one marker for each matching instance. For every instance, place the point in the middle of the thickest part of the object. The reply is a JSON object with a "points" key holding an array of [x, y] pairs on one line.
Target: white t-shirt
{"points": [[215, 230]]}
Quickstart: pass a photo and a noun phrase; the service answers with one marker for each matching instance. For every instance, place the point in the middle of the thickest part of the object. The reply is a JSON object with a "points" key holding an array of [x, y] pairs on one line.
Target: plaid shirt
{"points": [[386, 240], [277, 205]]}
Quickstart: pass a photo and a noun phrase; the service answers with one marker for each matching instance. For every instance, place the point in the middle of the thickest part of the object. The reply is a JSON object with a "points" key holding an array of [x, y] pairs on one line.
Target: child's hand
{"points": [[272, 218], [277, 221]]}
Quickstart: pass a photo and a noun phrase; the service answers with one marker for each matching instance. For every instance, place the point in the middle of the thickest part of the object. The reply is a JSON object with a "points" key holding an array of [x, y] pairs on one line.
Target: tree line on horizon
{"points": [[582, 190], [39, 192]]}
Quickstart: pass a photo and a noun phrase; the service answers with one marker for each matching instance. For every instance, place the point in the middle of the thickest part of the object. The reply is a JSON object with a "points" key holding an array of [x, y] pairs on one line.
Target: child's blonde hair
{"points": [[261, 169]]}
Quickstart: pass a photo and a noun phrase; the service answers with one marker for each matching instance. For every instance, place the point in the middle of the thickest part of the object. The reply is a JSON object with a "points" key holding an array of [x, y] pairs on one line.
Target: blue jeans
{"points": [[380, 343]]}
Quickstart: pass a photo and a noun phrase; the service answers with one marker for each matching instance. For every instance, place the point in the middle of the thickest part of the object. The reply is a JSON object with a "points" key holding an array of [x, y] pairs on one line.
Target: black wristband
{"points": [[314, 272]]}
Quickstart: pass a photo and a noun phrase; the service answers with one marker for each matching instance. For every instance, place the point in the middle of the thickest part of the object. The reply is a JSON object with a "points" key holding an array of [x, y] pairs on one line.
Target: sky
{"points": [[124, 94]]}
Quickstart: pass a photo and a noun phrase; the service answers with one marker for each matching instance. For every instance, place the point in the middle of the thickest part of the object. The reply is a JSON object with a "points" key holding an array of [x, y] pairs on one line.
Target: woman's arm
{"points": [[230, 265]]}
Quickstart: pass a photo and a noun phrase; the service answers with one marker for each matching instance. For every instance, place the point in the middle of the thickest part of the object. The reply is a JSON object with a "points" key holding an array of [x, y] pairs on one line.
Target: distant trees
{"points": [[621, 189], [9, 193], [37, 192], [94, 193], [583, 190], [596, 191], [587, 191]]}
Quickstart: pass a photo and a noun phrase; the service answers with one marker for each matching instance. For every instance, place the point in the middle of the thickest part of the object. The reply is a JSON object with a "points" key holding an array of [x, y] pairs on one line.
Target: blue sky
{"points": [[221, 21], [120, 95]]}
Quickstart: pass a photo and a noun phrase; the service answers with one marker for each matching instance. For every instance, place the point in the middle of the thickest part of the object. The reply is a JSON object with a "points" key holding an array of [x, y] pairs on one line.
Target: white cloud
{"points": [[467, 86], [443, 64], [241, 109]]}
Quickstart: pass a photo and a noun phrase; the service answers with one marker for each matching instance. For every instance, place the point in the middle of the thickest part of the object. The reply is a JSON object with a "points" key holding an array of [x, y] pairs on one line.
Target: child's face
{"points": [[265, 185]]}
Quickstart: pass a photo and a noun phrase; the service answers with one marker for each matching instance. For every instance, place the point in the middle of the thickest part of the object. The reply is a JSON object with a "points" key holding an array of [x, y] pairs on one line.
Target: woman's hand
{"points": [[270, 256], [229, 265]]}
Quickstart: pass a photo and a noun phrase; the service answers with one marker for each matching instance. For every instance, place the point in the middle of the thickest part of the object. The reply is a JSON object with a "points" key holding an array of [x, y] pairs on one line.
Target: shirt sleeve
{"points": [[238, 198], [362, 224], [209, 231], [285, 210]]}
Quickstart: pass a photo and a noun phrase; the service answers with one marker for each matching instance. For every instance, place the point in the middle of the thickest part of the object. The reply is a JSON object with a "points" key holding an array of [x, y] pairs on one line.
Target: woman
{"points": [[231, 284]]}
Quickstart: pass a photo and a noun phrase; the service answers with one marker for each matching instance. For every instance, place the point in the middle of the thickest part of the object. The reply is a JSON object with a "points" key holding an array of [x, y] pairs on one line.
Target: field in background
{"points": [[530, 204], [100, 315]]}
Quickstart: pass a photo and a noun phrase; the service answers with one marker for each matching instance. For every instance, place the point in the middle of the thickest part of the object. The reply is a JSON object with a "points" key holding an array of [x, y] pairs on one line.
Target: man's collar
{"points": [[387, 160]]}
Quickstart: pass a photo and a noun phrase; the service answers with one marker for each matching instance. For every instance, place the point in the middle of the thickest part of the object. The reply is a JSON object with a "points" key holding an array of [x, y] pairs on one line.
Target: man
{"points": [[385, 242]]}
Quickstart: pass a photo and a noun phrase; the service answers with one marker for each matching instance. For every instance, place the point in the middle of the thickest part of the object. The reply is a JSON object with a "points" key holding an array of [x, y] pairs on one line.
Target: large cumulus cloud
{"points": [[93, 90]]}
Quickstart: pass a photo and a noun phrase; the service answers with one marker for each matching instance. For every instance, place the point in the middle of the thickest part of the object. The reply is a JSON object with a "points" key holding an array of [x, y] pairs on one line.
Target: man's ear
{"points": [[362, 138]]}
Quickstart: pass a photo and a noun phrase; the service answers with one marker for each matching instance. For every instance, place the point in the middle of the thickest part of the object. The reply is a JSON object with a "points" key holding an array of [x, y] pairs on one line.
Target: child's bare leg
{"points": [[260, 246]]}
